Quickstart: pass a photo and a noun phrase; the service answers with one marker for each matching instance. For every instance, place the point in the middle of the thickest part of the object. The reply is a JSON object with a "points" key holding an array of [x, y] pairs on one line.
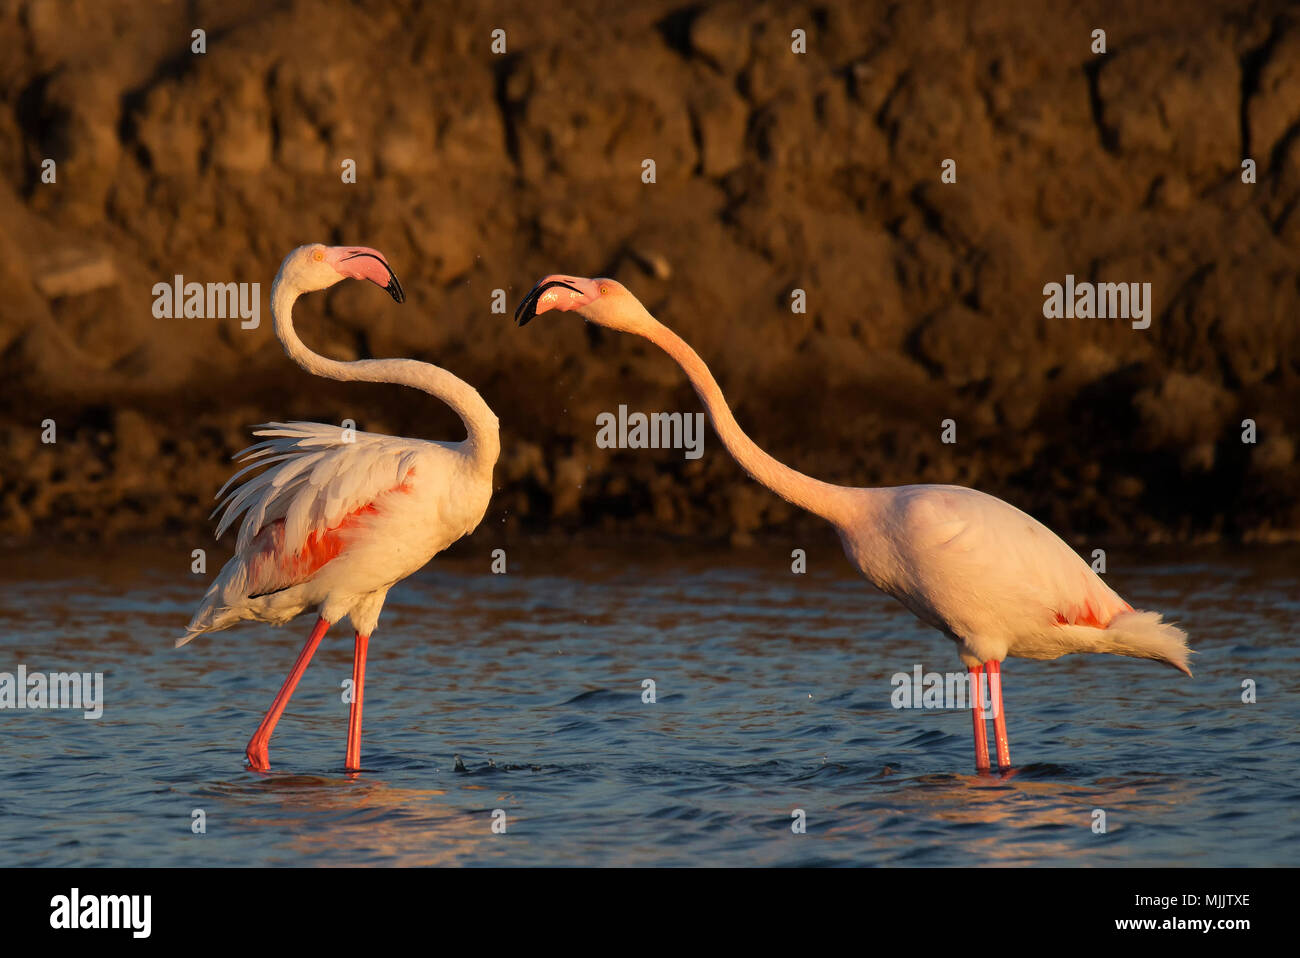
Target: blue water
{"points": [[773, 694]]}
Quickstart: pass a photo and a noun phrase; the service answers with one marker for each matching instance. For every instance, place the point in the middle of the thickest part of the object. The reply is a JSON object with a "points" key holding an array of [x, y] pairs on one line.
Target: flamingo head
{"points": [[604, 302], [316, 266]]}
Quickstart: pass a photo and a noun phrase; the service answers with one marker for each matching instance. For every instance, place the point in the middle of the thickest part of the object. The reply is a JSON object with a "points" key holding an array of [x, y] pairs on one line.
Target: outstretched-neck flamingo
{"points": [[992, 579], [341, 516]]}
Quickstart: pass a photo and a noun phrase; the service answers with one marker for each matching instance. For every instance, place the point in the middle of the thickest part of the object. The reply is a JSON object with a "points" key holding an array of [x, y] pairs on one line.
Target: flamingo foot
{"points": [[977, 713], [258, 756]]}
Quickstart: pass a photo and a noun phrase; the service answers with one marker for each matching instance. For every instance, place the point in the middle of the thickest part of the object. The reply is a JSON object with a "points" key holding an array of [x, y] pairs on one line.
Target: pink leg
{"points": [[256, 752], [999, 717], [977, 710], [353, 762]]}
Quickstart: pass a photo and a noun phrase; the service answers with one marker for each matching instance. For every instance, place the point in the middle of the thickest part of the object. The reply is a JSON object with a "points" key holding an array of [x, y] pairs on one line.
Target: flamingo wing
{"points": [[978, 564], [323, 479]]}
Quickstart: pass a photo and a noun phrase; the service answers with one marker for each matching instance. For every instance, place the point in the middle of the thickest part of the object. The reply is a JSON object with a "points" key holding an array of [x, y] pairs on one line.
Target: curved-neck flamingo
{"points": [[341, 516], [991, 578]]}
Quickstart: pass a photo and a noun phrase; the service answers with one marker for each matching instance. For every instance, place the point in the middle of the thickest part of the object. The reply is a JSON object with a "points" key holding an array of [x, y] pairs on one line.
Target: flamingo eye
{"points": [[603, 289], [317, 255]]}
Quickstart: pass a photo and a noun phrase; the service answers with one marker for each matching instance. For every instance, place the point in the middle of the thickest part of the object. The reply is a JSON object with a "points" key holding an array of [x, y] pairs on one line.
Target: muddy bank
{"points": [[774, 171]]}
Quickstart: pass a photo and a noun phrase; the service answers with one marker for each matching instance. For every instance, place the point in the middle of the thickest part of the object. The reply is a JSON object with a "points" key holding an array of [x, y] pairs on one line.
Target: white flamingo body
{"points": [[991, 578], [337, 517]]}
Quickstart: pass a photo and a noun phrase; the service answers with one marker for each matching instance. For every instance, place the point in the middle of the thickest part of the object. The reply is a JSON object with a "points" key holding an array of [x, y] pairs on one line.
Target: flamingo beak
{"points": [[359, 262], [528, 309]]}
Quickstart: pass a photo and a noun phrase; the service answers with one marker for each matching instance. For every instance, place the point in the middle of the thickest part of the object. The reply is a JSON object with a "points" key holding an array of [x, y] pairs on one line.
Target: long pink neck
{"points": [[481, 425], [831, 502]]}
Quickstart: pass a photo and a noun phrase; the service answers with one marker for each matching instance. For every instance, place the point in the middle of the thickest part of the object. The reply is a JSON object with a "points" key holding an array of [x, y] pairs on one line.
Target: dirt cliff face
{"points": [[774, 171]]}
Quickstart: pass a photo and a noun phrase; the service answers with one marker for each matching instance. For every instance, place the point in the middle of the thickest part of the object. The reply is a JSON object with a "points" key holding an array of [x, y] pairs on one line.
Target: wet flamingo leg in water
{"points": [[977, 712], [256, 752], [353, 762], [999, 717]]}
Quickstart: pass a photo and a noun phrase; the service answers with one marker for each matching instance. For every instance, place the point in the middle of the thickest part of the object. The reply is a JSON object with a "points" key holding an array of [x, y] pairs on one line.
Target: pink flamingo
{"points": [[341, 516], [992, 579]]}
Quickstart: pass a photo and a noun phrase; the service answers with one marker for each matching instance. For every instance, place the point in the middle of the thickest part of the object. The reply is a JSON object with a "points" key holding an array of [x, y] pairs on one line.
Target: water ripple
{"points": [[521, 699]]}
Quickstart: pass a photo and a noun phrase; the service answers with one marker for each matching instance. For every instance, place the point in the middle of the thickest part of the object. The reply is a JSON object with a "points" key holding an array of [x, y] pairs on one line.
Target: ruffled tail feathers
{"points": [[1145, 635]]}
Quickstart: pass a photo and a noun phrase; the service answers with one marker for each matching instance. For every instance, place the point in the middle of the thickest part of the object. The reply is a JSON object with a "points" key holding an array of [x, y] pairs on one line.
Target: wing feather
{"points": [[969, 555], [315, 476]]}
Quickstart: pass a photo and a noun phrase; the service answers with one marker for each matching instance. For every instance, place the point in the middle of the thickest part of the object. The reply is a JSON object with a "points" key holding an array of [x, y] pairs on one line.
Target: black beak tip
{"points": [[526, 311], [395, 290]]}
